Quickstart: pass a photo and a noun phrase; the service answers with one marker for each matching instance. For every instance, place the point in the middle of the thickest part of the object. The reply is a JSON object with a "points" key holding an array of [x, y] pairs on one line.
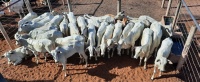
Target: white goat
{"points": [[100, 33], [157, 34], [47, 34], [127, 29], [15, 56], [53, 23], [93, 21], [26, 28], [73, 29], [167, 30], [41, 17], [60, 54], [162, 55], [64, 26], [71, 17], [69, 40], [82, 25], [115, 38], [107, 35], [144, 49], [132, 36], [145, 17], [40, 45], [30, 16], [91, 40], [107, 18], [17, 36]]}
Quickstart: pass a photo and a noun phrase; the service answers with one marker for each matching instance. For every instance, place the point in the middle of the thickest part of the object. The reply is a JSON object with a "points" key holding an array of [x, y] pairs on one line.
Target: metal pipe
{"points": [[191, 15], [69, 5], [5, 35], [49, 4], [168, 7], [176, 14], [118, 6]]}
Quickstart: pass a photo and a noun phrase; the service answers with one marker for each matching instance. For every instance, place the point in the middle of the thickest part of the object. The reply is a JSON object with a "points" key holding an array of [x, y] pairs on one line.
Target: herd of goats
{"points": [[63, 35]]}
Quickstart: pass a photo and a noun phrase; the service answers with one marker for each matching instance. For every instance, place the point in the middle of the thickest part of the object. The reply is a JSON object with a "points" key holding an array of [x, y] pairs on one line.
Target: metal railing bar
{"points": [[191, 15], [192, 42]]}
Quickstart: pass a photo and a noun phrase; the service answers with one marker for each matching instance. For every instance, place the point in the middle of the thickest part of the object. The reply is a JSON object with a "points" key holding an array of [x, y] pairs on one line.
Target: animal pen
{"points": [[183, 15]]}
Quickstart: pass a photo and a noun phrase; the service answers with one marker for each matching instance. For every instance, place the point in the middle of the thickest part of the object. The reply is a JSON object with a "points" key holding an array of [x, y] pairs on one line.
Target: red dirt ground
{"points": [[116, 69]]}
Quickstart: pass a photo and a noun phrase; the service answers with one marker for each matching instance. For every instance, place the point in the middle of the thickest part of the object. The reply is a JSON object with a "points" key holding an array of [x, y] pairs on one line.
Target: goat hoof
{"points": [[65, 75]]}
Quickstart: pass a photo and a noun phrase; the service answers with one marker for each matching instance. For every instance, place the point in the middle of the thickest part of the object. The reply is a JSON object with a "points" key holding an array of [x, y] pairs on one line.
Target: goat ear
{"points": [[169, 61], [158, 60]]}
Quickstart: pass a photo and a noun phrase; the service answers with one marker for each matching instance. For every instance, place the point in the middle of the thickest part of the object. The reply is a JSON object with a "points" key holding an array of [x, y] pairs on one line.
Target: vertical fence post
{"points": [[6, 36], [177, 14], [49, 4], [186, 48], [69, 5], [118, 6], [28, 5], [168, 7], [63, 1], [163, 3]]}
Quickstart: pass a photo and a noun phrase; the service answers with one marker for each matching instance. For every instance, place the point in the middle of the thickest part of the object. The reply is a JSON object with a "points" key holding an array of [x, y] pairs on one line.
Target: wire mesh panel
{"points": [[191, 68]]}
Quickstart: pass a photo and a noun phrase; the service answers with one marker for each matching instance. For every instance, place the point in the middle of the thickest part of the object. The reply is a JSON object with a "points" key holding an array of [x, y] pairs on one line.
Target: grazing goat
{"points": [[162, 55], [144, 49], [60, 54]]}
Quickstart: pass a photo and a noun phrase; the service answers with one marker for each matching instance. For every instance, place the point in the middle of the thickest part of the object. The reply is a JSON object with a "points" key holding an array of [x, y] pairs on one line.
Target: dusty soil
{"points": [[117, 69]]}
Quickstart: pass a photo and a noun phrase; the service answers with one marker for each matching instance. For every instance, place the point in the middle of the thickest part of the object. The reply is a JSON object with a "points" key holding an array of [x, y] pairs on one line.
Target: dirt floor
{"points": [[117, 69]]}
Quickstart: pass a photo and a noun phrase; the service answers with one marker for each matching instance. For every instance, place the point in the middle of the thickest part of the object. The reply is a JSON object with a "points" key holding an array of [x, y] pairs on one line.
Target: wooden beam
{"points": [[6, 36], [168, 7], [186, 48], [177, 14], [163, 3], [118, 6]]}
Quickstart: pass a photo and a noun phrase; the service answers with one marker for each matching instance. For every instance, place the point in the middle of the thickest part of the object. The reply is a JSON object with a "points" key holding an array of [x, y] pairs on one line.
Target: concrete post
{"points": [[186, 48]]}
